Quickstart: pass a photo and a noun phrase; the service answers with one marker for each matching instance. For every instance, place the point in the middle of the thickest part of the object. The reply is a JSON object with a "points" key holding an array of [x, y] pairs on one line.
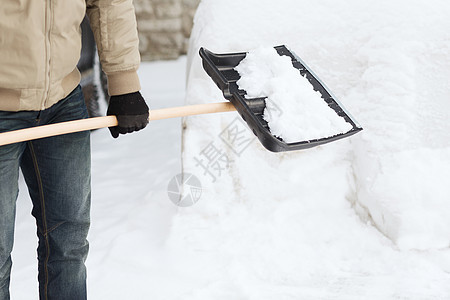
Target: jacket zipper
{"points": [[48, 27]]}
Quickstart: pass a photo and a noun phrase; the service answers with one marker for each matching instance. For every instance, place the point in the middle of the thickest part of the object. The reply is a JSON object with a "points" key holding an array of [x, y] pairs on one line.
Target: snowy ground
{"points": [[362, 218]]}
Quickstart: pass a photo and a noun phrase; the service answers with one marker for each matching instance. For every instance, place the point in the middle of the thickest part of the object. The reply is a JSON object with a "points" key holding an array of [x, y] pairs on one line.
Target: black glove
{"points": [[131, 112]]}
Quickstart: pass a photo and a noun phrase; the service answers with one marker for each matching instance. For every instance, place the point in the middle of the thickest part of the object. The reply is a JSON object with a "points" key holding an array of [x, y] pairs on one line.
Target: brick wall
{"points": [[164, 27]]}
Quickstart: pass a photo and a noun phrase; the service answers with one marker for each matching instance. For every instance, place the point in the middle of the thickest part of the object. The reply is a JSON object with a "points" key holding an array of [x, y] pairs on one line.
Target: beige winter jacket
{"points": [[40, 46]]}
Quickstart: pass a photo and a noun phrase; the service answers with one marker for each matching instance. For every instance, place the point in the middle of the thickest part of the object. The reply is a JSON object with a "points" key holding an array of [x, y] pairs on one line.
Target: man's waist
{"points": [[39, 98]]}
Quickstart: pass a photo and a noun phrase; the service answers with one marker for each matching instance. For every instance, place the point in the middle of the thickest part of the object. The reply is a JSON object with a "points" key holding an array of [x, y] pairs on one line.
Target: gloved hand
{"points": [[131, 111]]}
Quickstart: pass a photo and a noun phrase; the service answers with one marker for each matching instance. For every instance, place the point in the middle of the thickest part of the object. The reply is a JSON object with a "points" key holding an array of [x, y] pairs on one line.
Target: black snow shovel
{"points": [[221, 69]]}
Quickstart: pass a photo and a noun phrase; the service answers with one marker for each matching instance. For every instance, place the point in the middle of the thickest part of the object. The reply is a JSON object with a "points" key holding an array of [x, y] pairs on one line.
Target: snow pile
{"points": [[402, 159], [307, 224], [294, 111], [389, 68]]}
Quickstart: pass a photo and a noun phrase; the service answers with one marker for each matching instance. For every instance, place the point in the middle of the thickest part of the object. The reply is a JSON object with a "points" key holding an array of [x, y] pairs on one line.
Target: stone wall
{"points": [[164, 27]]}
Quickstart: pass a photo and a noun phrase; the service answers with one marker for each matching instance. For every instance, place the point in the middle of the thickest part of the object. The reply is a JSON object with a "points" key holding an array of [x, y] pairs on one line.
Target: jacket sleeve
{"points": [[114, 25]]}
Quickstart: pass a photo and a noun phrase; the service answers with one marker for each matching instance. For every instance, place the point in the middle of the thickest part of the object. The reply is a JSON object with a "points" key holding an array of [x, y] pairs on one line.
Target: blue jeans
{"points": [[57, 173]]}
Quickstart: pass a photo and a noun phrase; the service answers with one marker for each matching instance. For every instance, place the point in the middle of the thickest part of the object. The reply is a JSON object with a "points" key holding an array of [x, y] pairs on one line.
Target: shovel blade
{"points": [[220, 67]]}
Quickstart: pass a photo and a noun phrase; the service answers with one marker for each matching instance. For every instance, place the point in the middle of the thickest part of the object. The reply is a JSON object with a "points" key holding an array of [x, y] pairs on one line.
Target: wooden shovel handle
{"points": [[38, 132]]}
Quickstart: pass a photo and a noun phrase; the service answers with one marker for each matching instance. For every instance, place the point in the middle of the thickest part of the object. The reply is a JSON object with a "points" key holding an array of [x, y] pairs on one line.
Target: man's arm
{"points": [[114, 25]]}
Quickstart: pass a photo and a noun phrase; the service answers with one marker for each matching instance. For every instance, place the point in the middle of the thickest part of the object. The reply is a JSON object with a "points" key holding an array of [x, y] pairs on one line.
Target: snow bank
{"points": [[401, 161], [284, 225], [388, 63]]}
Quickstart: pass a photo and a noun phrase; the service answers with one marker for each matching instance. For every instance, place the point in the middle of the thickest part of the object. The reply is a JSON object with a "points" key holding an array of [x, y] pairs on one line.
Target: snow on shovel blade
{"points": [[220, 67]]}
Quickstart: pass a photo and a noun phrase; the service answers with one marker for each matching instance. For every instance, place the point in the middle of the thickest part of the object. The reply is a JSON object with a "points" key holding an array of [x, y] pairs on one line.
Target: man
{"points": [[39, 84]]}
